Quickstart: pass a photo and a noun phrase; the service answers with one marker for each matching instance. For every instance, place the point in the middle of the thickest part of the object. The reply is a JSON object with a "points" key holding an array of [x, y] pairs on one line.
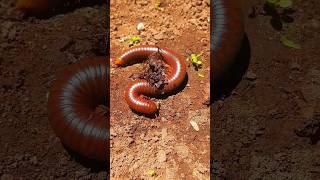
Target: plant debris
{"points": [[288, 43], [152, 172], [155, 74], [195, 60], [280, 12], [134, 40]]}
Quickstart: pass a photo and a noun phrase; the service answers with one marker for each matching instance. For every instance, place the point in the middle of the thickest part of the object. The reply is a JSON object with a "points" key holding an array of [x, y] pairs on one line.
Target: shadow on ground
{"points": [[93, 165]]}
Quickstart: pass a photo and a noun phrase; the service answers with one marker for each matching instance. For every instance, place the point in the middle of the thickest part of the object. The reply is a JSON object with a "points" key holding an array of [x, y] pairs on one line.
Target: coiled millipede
{"points": [[37, 7], [136, 90], [74, 104]]}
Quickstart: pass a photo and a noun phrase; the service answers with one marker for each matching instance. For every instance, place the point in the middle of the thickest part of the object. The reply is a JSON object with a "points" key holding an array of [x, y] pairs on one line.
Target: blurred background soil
{"points": [[32, 52], [269, 127]]}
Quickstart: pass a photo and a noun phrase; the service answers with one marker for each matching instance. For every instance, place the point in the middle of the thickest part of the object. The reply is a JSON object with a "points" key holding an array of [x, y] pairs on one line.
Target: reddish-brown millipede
{"points": [[45, 7], [37, 7], [134, 93], [73, 108], [227, 31]]}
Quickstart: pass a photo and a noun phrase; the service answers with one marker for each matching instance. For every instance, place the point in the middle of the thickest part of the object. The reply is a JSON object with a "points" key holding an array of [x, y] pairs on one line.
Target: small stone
{"points": [[194, 125], [140, 27], [162, 157], [251, 76], [113, 133], [178, 115]]}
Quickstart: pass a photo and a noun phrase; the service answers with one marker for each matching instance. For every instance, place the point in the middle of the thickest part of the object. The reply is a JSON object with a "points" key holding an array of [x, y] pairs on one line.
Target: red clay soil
{"points": [[32, 52], [167, 145]]}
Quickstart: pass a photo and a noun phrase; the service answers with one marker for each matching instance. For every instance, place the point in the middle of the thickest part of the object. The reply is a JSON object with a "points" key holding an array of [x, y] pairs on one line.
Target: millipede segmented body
{"points": [[47, 7], [176, 73], [227, 32], [37, 7], [73, 106]]}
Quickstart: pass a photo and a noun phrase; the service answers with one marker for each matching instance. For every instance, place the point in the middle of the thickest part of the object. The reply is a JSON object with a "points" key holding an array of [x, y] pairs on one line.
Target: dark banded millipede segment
{"points": [[227, 32], [37, 7], [134, 93], [45, 7], [73, 107]]}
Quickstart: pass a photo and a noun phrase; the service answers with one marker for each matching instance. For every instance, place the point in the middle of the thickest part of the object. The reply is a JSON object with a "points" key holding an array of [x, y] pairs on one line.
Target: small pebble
{"points": [[162, 157], [251, 76], [194, 125], [140, 27]]}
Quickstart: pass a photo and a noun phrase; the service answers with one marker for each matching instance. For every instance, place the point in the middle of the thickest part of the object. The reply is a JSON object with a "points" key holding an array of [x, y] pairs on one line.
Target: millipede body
{"points": [[136, 90], [74, 108], [45, 7], [227, 32], [37, 7]]}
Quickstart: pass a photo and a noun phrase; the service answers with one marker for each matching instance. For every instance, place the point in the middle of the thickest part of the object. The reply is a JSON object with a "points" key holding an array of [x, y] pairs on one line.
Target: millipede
{"points": [[227, 32], [45, 7], [37, 7], [135, 91], [74, 107]]}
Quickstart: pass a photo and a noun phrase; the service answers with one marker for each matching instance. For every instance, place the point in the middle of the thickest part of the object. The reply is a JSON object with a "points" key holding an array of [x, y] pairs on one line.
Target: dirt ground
{"points": [[167, 144], [267, 128], [32, 52]]}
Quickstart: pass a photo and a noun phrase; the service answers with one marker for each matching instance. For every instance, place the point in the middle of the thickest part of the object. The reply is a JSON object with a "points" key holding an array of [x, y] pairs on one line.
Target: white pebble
{"points": [[140, 27], [194, 125]]}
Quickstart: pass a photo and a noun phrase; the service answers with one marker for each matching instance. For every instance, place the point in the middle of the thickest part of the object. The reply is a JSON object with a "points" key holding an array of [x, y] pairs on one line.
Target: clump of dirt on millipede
{"points": [[155, 72]]}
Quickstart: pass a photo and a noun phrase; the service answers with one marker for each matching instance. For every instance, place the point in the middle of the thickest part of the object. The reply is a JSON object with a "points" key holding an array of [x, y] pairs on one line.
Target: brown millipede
{"points": [[227, 32], [73, 108], [37, 7], [47, 7], [134, 93]]}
